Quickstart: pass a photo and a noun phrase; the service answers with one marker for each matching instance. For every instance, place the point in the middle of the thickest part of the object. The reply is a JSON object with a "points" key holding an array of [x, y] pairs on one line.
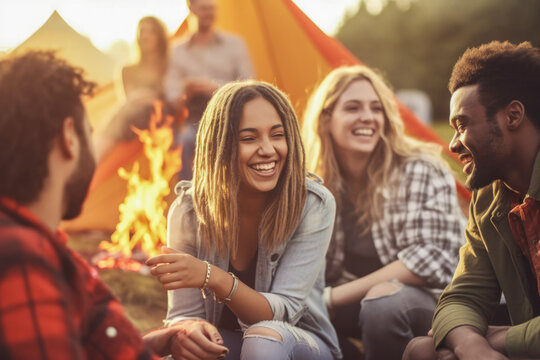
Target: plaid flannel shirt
{"points": [[421, 224], [52, 303]]}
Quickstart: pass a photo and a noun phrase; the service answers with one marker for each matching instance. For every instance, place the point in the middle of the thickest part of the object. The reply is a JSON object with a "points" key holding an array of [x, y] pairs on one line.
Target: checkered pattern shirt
{"points": [[524, 220], [421, 224], [52, 303]]}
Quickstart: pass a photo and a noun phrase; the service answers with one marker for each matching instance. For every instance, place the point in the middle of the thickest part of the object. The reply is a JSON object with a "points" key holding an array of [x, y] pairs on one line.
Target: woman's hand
{"points": [[177, 270], [196, 339]]}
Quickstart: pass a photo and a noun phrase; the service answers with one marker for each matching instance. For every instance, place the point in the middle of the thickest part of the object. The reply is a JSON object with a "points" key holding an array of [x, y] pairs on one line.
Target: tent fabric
{"points": [[57, 34], [287, 50]]}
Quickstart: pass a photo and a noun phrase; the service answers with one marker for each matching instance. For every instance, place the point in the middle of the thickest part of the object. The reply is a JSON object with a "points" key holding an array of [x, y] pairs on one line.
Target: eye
{"points": [[278, 134], [351, 108], [378, 108], [460, 126], [247, 138]]}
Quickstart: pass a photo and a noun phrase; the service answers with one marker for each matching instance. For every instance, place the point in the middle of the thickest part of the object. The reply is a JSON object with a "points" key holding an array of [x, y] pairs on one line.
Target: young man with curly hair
{"points": [[495, 112], [52, 303]]}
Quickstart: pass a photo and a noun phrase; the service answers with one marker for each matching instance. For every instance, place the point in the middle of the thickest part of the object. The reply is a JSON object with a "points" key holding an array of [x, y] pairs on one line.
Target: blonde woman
{"points": [[142, 85], [398, 225], [250, 236], [148, 73]]}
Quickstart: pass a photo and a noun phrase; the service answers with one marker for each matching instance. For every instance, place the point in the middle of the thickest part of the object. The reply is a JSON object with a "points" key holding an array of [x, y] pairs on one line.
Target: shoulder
{"points": [[184, 196], [427, 170], [21, 244], [483, 199], [317, 192], [129, 69], [179, 45], [425, 164]]}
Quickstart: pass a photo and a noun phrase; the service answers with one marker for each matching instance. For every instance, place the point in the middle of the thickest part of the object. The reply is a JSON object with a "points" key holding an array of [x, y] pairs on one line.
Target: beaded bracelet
{"points": [[232, 292], [206, 280]]}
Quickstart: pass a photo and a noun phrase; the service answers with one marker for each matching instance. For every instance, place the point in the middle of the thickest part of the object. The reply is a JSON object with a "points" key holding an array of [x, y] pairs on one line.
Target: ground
{"points": [[142, 296]]}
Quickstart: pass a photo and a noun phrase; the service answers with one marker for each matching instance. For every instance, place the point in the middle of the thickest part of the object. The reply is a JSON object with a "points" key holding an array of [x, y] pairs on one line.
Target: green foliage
{"points": [[417, 48]]}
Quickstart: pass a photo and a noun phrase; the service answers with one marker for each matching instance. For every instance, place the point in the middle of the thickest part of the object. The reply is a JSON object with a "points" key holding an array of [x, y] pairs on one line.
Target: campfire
{"points": [[141, 230]]}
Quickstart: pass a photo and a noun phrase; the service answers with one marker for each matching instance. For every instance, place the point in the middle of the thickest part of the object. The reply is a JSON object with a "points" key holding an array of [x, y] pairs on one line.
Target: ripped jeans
{"points": [[295, 343], [386, 323]]}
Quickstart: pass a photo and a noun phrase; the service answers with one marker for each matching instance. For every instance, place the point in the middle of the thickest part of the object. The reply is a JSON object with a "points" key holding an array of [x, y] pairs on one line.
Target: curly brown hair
{"points": [[503, 72], [38, 91]]}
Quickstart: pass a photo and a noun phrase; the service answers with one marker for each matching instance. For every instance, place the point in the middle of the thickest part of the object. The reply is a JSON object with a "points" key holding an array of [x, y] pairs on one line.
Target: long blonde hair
{"points": [[393, 148], [216, 176]]}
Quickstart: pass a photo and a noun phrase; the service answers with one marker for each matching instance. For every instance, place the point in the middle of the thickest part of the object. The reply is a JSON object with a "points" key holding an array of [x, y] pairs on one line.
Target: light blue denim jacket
{"points": [[290, 277]]}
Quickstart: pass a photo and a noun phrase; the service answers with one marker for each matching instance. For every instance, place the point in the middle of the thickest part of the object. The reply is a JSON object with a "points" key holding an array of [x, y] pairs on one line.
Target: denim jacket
{"points": [[290, 277]]}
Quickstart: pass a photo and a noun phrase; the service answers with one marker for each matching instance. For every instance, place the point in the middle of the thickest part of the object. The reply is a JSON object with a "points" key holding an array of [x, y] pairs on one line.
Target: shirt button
{"points": [[111, 332], [274, 257]]}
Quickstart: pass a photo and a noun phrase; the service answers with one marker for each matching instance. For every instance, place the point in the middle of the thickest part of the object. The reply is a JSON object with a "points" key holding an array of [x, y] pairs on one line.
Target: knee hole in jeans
{"points": [[383, 289], [261, 331]]}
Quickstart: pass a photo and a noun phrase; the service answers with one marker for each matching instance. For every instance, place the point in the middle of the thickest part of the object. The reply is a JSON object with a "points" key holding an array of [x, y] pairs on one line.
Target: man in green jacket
{"points": [[495, 112]]}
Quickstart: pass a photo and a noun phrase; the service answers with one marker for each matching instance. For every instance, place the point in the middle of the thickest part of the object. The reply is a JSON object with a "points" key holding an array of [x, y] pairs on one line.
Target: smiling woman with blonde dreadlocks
{"points": [[250, 236]]}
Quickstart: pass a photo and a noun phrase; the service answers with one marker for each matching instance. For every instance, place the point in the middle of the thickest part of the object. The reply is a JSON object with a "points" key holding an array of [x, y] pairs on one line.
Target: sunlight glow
{"points": [[107, 22]]}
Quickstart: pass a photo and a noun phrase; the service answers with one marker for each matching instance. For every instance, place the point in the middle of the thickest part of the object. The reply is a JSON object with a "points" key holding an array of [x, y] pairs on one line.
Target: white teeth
{"points": [[365, 132], [264, 167]]}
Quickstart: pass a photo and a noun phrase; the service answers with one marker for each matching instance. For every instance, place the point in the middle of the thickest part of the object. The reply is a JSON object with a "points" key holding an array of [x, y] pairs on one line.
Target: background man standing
{"points": [[200, 64], [495, 111]]}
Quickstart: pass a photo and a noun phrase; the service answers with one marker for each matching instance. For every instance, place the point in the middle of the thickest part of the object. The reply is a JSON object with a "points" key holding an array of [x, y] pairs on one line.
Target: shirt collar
{"points": [[217, 39], [534, 187], [23, 214]]}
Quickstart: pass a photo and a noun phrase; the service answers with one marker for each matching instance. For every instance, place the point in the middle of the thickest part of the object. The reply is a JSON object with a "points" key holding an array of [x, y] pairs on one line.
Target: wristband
{"points": [[232, 292], [327, 292], [206, 280]]}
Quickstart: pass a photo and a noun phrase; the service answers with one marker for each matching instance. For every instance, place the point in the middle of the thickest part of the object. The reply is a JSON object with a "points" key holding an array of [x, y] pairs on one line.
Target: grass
{"points": [[142, 296]]}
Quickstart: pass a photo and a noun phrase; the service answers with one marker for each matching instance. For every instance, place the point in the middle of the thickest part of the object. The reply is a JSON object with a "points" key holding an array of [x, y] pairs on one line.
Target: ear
{"points": [[515, 114], [69, 141]]}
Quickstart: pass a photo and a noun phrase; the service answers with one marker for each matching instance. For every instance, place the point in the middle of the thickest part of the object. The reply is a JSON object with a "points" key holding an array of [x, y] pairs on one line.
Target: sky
{"points": [[108, 21]]}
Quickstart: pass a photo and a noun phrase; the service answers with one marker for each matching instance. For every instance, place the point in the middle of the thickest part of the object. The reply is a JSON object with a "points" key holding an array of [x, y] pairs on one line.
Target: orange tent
{"points": [[287, 49]]}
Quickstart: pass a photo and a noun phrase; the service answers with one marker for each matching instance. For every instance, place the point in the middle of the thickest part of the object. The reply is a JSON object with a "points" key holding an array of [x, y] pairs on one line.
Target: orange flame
{"points": [[142, 214]]}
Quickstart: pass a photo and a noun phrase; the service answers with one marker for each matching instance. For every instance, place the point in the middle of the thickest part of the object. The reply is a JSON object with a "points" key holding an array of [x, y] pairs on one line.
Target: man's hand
{"points": [[188, 339], [496, 336], [197, 339], [468, 344]]}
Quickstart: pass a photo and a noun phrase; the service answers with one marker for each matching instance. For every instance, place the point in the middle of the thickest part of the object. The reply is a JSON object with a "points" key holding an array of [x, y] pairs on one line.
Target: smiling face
{"points": [[262, 146], [478, 140], [357, 119]]}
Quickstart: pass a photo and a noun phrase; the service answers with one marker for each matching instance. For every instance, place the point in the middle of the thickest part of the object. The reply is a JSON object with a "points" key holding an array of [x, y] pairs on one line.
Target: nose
{"points": [[455, 143], [266, 148], [365, 115]]}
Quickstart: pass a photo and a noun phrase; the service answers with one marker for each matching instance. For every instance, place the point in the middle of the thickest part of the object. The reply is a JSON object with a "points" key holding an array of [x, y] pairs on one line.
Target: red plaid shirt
{"points": [[52, 303], [524, 219]]}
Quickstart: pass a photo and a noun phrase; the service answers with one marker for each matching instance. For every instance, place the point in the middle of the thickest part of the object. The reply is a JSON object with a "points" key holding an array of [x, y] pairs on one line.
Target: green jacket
{"points": [[492, 261]]}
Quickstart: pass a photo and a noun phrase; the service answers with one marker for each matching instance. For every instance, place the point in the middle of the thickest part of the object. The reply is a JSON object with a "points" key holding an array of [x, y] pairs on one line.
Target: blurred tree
{"points": [[415, 46]]}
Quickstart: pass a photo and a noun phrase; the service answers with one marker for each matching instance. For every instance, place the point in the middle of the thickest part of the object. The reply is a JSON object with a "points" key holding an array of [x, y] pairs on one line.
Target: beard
{"points": [[77, 186], [485, 169], [479, 178]]}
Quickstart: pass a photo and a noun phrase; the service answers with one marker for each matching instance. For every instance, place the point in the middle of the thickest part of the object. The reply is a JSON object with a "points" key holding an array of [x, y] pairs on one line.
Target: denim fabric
{"points": [[295, 344], [389, 322], [290, 277]]}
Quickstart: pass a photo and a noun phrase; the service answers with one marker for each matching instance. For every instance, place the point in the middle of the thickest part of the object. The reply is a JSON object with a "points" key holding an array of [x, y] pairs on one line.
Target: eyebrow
{"points": [[360, 102], [255, 130]]}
